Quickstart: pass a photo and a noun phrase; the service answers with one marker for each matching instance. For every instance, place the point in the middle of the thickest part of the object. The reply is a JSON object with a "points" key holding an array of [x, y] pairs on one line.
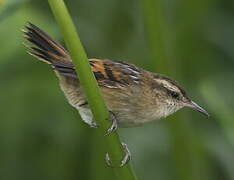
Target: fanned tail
{"points": [[45, 48]]}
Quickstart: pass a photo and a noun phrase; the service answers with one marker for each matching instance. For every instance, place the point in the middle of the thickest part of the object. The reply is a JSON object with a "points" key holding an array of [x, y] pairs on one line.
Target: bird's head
{"points": [[170, 97]]}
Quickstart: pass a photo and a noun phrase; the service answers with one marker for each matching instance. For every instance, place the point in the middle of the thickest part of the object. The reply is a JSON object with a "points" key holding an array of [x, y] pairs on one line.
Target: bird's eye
{"points": [[174, 94]]}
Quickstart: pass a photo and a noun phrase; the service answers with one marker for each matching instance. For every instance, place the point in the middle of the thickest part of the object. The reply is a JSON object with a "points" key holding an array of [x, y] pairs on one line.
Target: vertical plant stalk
{"points": [[221, 109], [90, 87], [186, 150], [154, 23]]}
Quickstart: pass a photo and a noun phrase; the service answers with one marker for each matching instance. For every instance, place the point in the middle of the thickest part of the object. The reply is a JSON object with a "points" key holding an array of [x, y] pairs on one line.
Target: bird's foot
{"points": [[124, 161], [114, 124]]}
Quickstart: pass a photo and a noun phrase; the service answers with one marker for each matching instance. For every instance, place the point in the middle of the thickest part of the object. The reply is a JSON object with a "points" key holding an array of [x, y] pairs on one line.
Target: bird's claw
{"points": [[124, 161], [113, 126]]}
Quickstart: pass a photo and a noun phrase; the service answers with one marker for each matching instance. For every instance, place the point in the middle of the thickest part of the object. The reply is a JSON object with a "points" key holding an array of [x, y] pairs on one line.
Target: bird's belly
{"points": [[123, 119], [136, 119]]}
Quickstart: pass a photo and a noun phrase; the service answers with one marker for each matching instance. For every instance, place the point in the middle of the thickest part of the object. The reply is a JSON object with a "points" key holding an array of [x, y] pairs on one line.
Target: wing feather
{"points": [[110, 74]]}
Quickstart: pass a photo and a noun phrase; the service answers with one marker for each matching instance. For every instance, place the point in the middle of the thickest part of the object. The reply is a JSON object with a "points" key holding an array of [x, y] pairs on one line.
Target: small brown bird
{"points": [[133, 95]]}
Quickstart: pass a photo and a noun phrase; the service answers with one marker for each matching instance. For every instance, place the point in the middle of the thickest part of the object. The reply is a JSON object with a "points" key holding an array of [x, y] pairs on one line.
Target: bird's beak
{"points": [[196, 107]]}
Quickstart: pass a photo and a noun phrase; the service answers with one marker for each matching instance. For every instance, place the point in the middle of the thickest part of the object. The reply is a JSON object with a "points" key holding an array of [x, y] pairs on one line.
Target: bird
{"points": [[133, 95]]}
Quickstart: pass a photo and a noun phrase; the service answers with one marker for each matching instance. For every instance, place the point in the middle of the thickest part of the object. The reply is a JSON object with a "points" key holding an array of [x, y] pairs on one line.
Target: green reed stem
{"points": [[90, 87]]}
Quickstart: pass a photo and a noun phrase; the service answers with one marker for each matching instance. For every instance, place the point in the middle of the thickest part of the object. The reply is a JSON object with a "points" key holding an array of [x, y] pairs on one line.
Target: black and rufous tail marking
{"points": [[45, 48]]}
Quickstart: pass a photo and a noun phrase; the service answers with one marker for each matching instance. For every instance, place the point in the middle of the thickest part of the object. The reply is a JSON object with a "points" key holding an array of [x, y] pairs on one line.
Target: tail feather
{"points": [[45, 48]]}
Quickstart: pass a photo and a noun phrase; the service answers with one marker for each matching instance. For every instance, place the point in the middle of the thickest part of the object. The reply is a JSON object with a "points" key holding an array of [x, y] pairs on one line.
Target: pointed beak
{"points": [[196, 107]]}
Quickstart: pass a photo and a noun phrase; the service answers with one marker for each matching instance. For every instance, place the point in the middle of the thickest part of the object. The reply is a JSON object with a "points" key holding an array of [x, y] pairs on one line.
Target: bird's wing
{"points": [[110, 74]]}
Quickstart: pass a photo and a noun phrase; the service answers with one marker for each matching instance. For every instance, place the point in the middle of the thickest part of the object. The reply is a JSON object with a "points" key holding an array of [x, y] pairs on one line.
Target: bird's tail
{"points": [[45, 48]]}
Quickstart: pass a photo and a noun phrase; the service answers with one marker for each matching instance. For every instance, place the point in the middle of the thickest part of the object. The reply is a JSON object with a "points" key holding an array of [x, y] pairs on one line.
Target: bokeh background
{"points": [[42, 136]]}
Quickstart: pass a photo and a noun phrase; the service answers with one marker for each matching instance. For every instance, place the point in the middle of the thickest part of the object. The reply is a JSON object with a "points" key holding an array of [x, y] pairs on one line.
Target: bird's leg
{"points": [[114, 124], [127, 153], [125, 159]]}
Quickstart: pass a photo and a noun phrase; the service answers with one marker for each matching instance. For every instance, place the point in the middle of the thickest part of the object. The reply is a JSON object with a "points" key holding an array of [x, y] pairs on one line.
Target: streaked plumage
{"points": [[135, 96]]}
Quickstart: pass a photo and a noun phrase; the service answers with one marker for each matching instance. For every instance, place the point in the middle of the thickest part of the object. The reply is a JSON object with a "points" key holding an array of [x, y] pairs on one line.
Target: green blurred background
{"points": [[42, 136]]}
